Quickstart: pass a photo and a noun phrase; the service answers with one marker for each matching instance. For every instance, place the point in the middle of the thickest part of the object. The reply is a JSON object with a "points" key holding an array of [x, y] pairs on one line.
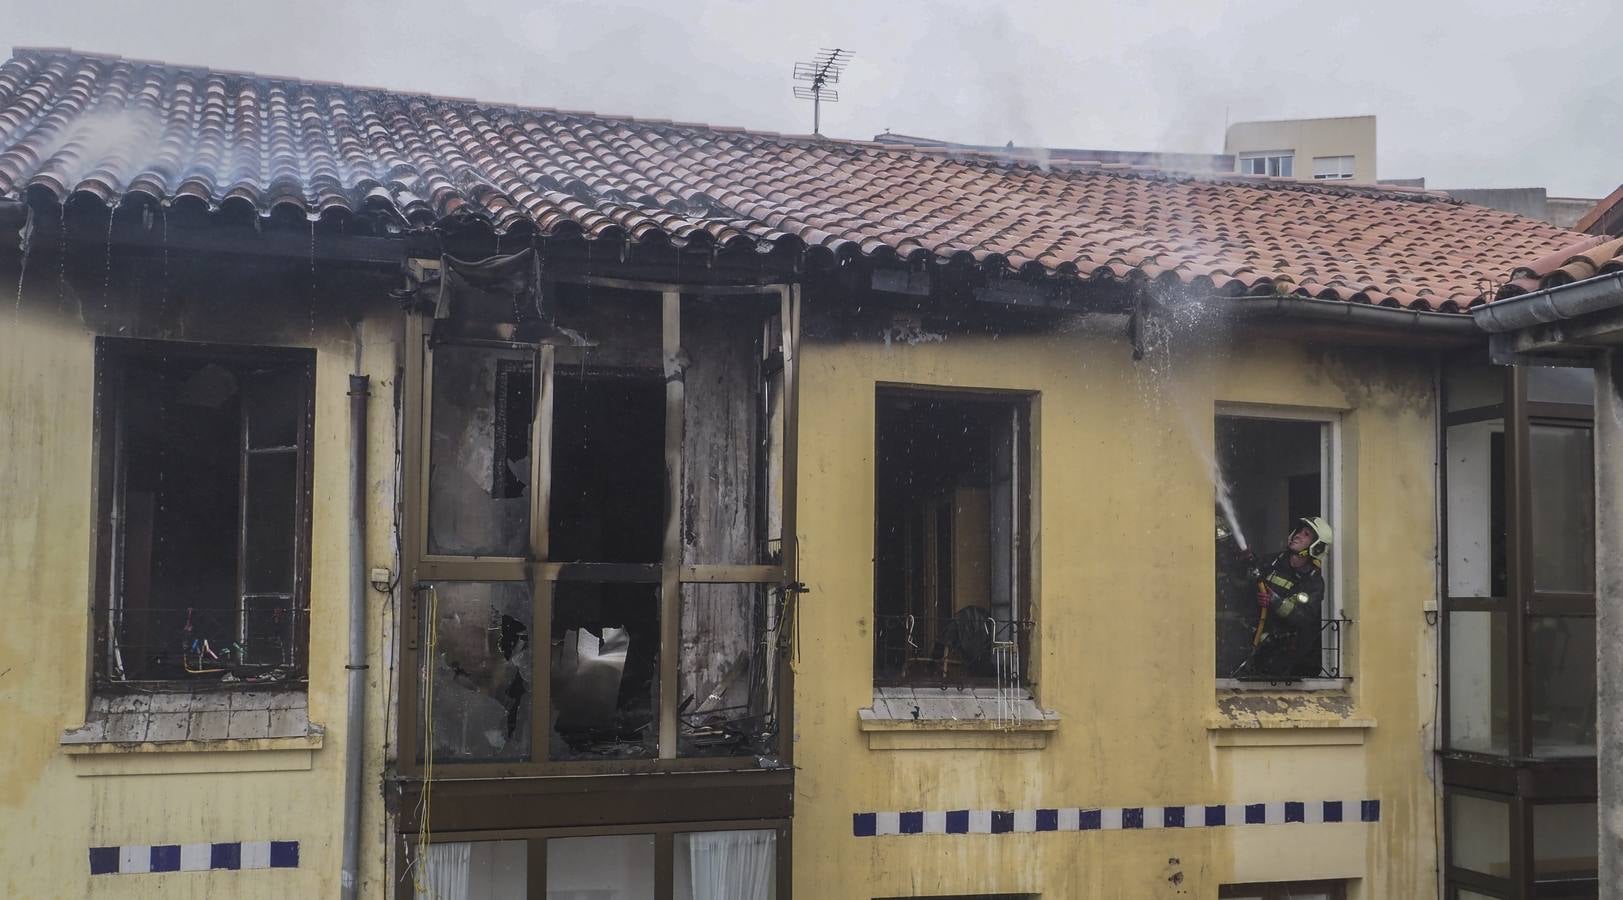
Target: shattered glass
{"points": [[726, 705], [605, 670], [478, 651]]}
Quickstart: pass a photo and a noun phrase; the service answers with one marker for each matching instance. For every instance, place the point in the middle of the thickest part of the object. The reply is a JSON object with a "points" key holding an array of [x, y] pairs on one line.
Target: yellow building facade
{"points": [[1122, 662], [248, 812]]}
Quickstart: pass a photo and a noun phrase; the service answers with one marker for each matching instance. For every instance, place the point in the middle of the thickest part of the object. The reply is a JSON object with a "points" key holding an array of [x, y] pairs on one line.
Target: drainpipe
{"points": [[355, 720]]}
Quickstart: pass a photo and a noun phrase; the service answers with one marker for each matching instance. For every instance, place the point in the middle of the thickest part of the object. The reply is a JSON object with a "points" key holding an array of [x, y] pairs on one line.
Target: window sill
{"points": [[935, 719], [1301, 685], [1283, 717], [225, 731]]}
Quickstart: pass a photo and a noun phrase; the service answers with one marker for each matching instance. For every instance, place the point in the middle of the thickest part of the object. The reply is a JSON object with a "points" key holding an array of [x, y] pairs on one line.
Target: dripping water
{"points": [[107, 270], [25, 243], [163, 289], [312, 222], [61, 252]]}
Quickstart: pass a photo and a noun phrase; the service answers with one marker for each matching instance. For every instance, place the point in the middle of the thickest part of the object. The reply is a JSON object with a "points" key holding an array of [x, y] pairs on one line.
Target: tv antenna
{"points": [[822, 71]]}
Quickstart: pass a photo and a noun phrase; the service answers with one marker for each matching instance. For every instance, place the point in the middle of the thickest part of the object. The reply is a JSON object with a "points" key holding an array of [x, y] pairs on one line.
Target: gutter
{"points": [[1433, 323], [1566, 301]]}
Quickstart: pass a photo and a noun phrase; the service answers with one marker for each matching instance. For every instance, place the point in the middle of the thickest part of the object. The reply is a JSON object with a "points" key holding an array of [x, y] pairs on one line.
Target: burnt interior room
{"points": [[606, 506], [944, 519], [201, 528]]}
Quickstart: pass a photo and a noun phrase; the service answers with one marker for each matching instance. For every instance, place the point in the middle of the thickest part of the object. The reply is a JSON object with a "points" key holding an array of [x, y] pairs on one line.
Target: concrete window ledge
{"points": [[1253, 718], [187, 733], [954, 719]]}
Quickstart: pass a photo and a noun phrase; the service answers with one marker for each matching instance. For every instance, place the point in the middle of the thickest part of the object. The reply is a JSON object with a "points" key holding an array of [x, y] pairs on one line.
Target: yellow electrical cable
{"points": [[424, 801]]}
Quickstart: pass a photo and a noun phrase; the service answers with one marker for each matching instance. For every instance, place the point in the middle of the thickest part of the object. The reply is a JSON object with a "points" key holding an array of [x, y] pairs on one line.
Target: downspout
{"points": [[355, 719]]}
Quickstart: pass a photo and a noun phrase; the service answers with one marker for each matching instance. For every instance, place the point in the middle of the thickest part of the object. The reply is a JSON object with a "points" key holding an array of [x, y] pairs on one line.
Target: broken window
{"points": [[951, 523], [479, 670], [626, 468], [1273, 473], [202, 542]]}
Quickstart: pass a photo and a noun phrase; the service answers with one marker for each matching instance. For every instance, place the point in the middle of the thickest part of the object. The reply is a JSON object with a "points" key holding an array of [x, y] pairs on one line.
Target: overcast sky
{"points": [[1497, 93]]}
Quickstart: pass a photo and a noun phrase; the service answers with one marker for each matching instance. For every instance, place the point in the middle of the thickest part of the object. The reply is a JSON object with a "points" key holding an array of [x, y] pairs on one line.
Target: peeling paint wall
{"points": [[54, 806], [1124, 648]]}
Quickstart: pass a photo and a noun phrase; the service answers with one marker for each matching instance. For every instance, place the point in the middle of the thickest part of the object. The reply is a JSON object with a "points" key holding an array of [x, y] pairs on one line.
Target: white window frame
{"points": [[1345, 168], [1268, 157], [1331, 497]]}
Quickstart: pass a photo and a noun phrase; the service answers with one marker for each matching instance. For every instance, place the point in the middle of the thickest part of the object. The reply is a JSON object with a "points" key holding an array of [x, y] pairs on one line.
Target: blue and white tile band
{"points": [[132, 859], [1112, 818]]}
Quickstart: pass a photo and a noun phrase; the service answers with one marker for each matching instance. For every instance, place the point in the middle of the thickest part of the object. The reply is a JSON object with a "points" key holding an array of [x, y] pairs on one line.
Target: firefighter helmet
{"points": [[1321, 532]]}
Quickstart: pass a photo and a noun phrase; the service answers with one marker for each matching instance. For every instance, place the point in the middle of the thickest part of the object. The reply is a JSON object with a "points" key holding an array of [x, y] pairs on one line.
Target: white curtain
{"points": [[478, 870], [446, 872], [732, 865]]}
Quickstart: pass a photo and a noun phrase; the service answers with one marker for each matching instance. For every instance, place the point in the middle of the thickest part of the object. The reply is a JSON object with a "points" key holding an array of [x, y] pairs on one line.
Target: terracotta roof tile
{"points": [[74, 123]]}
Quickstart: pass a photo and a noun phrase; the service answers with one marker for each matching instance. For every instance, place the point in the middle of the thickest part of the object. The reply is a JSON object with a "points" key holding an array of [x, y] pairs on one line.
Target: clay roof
{"points": [[75, 124], [1595, 255]]}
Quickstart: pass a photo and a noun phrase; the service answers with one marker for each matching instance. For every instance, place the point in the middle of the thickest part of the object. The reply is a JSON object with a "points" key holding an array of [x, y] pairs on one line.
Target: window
{"points": [[1273, 470], [203, 515], [665, 860], [1286, 890], [574, 602], [1277, 163], [952, 512], [1332, 168]]}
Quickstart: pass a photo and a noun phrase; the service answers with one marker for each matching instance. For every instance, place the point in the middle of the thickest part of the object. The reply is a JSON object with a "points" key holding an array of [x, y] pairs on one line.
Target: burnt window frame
{"points": [[1336, 651], [112, 358], [1023, 407], [541, 574]]}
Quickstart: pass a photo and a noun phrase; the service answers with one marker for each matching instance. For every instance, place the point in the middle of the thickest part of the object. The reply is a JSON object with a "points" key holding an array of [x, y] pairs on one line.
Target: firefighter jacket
{"points": [[1285, 583]]}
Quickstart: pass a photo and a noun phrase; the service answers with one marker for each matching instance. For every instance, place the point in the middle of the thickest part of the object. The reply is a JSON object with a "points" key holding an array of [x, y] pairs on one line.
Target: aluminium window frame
{"points": [[1332, 491], [1340, 173], [110, 357], [423, 568], [1270, 159], [664, 834]]}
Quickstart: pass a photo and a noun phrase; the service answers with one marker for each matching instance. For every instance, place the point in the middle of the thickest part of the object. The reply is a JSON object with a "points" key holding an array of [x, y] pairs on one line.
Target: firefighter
{"points": [[1290, 595]]}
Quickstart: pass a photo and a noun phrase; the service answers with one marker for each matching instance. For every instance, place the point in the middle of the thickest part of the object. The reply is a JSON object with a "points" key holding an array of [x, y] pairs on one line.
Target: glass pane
{"points": [[274, 402], [477, 644], [1476, 509], [605, 670], [1473, 386], [607, 491], [1561, 659], [270, 522], [1551, 384], [729, 638], [478, 870], [1563, 509], [711, 865], [1480, 834], [1566, 841], [724, 429], [1478, 715], [479, 452], [612, 867]]}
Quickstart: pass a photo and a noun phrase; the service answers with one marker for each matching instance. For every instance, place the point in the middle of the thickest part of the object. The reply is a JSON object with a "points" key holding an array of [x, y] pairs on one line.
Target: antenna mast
{"points": [[822, 71]]}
